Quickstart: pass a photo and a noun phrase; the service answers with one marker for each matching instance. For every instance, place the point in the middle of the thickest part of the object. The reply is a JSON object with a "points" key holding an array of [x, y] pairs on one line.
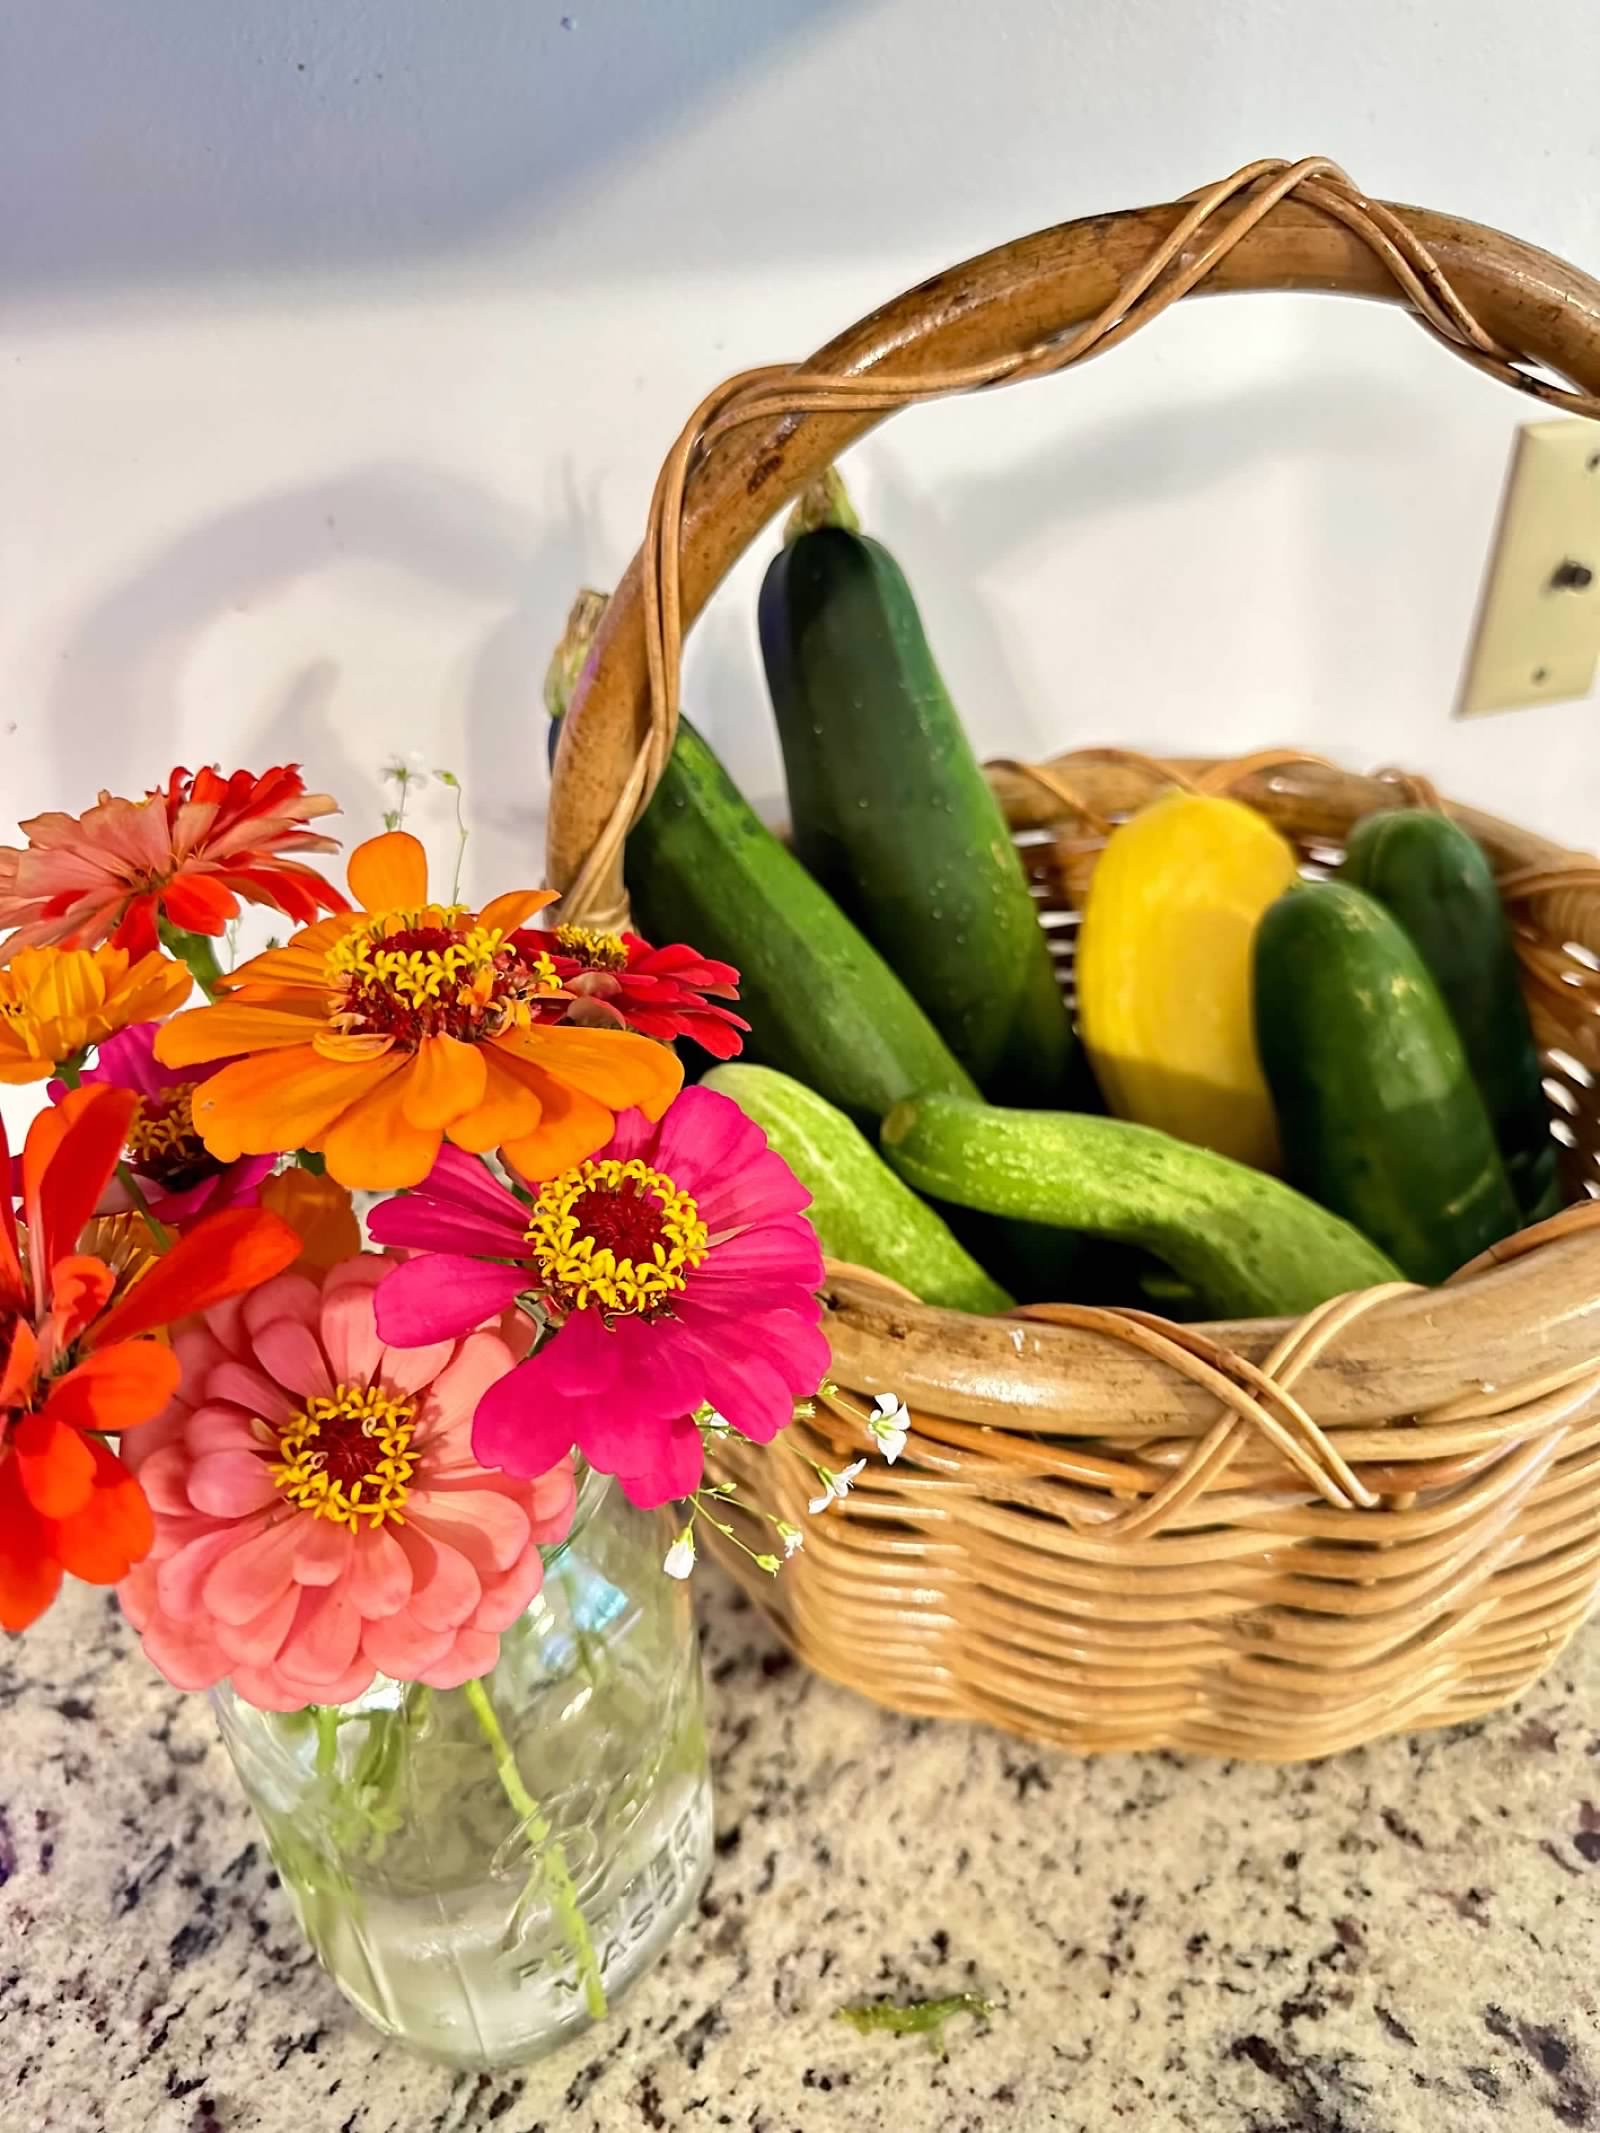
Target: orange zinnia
{"points": [[320, 1213], [375, 1035], [56, 1001]]}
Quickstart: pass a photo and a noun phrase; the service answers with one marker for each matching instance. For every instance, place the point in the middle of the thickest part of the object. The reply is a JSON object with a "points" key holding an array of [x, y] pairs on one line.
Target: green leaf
{"points": [[916, 2018]]}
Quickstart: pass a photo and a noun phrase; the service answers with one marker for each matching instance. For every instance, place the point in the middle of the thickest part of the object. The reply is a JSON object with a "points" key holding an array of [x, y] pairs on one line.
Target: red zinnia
{"points": [[620, 981], [190, 853], [73, 1367]]}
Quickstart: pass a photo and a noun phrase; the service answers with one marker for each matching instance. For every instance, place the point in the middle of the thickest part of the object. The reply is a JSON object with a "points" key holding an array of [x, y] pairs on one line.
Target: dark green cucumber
{"points": [[859, 1209], [894, 817], [1245, 1242], [1433, 877], [1379, 1114], [822, 1004]]}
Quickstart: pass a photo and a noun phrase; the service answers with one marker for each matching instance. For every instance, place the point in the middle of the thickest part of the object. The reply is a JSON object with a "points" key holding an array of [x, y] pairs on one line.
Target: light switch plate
{"points": [[1538, 634]]}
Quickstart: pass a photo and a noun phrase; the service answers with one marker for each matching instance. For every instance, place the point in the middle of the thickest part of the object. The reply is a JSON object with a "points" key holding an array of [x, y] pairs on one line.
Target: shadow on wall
{"points": [[519, 569], [966, 532], [1101, 484], [170, 140]]}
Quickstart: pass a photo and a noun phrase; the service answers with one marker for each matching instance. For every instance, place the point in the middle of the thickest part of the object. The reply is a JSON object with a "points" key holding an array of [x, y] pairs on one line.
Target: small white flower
{"points": [[887, 1426], [712, 1423], [792, 1537], [680, 1556], [835, 1487]]}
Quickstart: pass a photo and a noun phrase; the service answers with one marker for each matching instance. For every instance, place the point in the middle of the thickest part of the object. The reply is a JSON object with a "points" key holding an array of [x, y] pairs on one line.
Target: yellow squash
{"points": [[1163, 971]]}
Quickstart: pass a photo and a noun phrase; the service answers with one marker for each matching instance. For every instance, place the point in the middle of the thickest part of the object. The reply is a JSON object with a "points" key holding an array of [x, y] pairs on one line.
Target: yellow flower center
{"points": [[406, 975], [617, 1235], [349, 1458], [596, 951]]}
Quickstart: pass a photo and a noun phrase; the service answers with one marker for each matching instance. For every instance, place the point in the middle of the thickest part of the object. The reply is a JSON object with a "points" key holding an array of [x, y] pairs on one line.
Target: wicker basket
{"points": [[1265, 1539]]}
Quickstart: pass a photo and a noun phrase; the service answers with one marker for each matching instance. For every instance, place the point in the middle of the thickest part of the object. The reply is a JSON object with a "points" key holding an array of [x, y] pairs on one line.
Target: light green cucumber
{"points": [[1250, 1246], [859, 1209]]}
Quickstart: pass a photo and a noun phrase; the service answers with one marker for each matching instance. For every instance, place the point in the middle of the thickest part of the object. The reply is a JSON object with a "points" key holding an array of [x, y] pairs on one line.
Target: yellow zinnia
{"points": [[55, 1001], [374, 1036]]}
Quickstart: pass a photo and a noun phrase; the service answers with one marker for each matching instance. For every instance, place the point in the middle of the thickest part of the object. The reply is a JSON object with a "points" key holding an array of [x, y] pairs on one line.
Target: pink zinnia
{"points": [[682, 1272], [320, 1518], [180, 1179]]}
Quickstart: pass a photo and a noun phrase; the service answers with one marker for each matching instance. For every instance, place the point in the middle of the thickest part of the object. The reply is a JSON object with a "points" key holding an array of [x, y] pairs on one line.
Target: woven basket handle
{"points": [[1026, 309]]}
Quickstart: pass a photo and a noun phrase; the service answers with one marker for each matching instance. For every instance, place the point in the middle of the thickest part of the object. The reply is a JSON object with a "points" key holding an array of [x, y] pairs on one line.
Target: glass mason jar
{"points": [[483, 1871]]}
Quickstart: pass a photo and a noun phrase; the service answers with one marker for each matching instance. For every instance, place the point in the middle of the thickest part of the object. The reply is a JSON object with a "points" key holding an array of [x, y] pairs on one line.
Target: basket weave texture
{"points": [[1270, 1539], [1263, 1539]]}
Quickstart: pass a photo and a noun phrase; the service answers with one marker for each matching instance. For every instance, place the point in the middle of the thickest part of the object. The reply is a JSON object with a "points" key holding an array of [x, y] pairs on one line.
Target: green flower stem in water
{"points": [[552, 1860], [327, 1724], [198, 951]]}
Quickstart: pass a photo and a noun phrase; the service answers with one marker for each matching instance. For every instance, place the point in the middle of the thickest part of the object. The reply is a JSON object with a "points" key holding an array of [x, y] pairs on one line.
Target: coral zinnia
{"points": [[72, 1366], [189, 851], [56, 1001], [178, 1177], [682, 1271], [617, 979], [319, 1515], [372, 1036]]}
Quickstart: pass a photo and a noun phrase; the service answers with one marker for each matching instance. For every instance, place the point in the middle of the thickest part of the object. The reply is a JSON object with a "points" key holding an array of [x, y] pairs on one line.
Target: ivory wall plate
{"points": [[1538, 633]]}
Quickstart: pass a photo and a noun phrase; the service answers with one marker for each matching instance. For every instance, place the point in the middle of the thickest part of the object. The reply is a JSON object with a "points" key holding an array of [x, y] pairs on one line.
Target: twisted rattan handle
{"points": [[1031, 307]]}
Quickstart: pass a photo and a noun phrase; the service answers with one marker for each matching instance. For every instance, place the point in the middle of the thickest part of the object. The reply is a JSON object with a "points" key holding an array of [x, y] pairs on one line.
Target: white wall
{"points": [[342, 338]]}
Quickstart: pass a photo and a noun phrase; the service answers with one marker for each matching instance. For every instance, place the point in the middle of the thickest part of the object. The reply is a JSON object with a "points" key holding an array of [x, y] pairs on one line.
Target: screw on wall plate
{"points": [[1538, 630]]}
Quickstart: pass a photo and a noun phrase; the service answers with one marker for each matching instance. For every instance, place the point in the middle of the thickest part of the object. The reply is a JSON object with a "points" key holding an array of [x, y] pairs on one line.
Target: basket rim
{"points": [[1106, 783], [1411, 1355]]}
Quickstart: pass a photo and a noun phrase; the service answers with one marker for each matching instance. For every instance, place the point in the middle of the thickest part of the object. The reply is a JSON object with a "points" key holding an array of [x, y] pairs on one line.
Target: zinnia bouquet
{"points": [[330, 1473]]}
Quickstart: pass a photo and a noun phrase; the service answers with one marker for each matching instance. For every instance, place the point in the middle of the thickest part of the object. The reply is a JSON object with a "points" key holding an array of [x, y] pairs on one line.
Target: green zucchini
{"points": [[893, 815], [859, 1209], [701, 867], [1433, 877], [1245, 1242], [1379, 1115], [822, 1004]]}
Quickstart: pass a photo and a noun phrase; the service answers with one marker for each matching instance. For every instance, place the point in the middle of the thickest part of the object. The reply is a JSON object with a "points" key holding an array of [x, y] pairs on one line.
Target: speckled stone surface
{"points": [[1406, 1937]]}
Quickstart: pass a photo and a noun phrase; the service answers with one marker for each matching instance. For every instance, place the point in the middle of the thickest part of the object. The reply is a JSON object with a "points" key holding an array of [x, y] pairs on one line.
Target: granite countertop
{"points": [[1406, 1936]]}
